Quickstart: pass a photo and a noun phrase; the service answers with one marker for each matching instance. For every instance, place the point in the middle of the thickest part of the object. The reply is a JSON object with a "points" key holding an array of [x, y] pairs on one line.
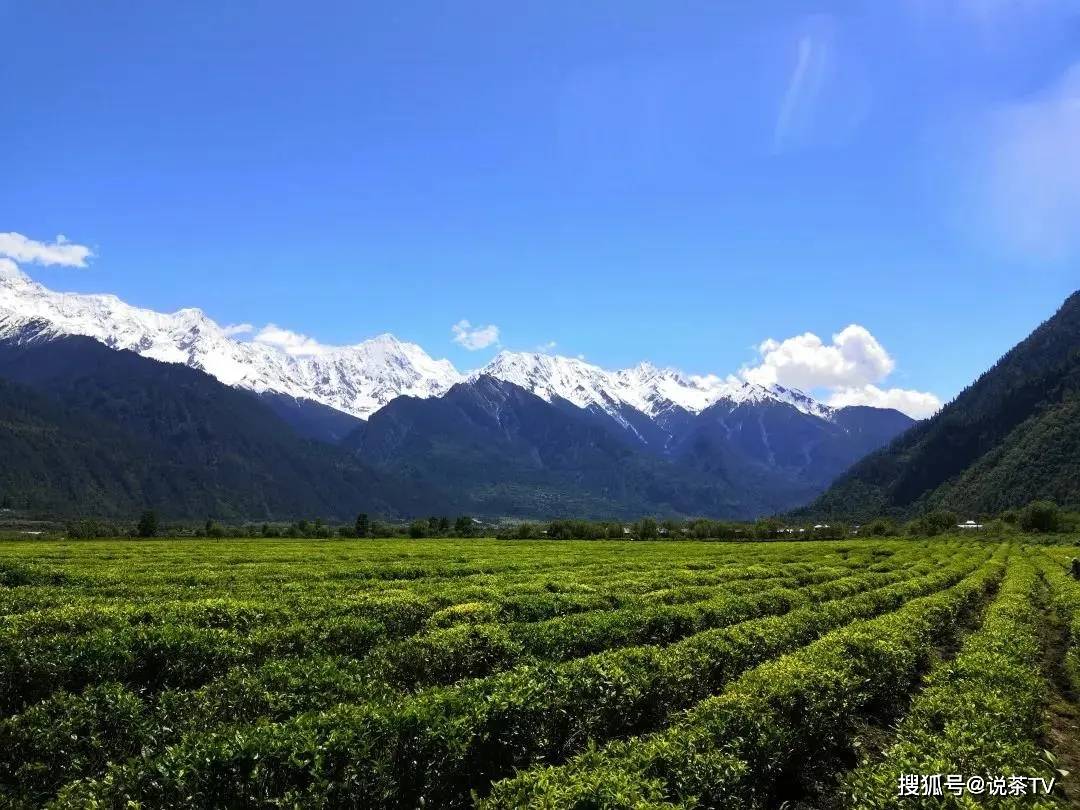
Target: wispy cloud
{"points": [[546, 347], [798, 105], [827, 93], [24, 250], [999, 21], [474, 338], [233, 329], [292, 343], [1027, 175]]}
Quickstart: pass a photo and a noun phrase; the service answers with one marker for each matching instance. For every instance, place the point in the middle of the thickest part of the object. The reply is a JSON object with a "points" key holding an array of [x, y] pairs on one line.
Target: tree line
{"points": [[1037, 516]]}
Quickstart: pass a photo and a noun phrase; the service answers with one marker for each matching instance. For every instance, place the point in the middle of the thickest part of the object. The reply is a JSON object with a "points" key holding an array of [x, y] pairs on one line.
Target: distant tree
{"points": [[148, 524], [303, 528], [939, 522], [830, 531], [1040, 516], [673, 528], [882, 527], [559, 530], [1011, 516], [463, 526], [645, 529], [419, 528], [86, 528], [767, 528], [363, 525], [444, 525]]}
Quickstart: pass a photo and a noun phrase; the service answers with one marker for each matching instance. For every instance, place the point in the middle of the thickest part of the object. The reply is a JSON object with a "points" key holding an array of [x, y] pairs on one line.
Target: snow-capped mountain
{"points": [[645, 388], [360, 379], [529, 434], [356, 379]]}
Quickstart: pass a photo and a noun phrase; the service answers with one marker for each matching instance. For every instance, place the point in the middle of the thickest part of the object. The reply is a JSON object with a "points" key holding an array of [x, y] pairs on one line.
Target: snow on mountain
{"points": [[356, 379], [646, 388], [550, 376], [802, 401], [360, 379]]}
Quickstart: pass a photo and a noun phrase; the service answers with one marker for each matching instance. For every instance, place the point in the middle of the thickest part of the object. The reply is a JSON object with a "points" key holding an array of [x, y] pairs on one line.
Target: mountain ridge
{"points": [[973, 454], [574, 438], [93, 431], [361, 378]]}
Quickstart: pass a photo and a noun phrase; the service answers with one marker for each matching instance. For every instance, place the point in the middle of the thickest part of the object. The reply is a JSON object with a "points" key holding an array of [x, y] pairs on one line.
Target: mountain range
{"points": [[358, 380], [529, 434]]}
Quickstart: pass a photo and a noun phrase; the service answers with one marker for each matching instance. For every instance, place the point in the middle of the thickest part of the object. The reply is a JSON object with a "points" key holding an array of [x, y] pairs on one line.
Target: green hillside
{"points": [[1010, 437], [87, 430]]}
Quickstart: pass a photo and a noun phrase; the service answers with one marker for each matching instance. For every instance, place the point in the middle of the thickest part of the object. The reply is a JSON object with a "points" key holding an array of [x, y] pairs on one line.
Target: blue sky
{"points": [[672, 181]]}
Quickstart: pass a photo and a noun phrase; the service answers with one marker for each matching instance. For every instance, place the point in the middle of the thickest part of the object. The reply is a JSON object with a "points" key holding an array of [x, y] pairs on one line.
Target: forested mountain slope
{"points": [[91, 430], [1008, 438]]}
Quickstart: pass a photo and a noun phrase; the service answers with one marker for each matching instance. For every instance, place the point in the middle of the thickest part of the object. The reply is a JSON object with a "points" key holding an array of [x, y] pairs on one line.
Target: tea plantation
{"points": [[509, 674]]}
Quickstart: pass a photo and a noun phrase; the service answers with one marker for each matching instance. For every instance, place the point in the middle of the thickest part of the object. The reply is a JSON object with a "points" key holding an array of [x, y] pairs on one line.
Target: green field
{"points": [[370, 674]]}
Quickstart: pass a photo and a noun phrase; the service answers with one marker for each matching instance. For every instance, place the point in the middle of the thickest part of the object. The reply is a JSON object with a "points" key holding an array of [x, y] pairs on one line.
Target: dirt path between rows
{"points": [[818, 786], [1063, 712]]}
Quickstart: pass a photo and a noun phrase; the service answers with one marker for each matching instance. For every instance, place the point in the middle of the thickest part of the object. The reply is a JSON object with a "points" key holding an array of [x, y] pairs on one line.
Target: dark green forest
{"points": [[1010, 437], [92, 431]]}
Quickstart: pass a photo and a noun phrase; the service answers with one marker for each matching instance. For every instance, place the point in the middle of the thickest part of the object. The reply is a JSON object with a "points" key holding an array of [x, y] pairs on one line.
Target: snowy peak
{"points": [[362, 378], [646, 388], [736, 393], [550, 376], [659, 390], [802, 401], [11, 275], [355, 379]]}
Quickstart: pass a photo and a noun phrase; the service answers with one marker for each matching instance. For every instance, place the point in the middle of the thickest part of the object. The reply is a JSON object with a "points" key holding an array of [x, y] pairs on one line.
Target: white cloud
{"points": [[62, 252], [475, 337], [1027, 173], [848, 369], [916, 404], [707, 381], [546, 347], [292, 343], [854, 358], [238, 329]]}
